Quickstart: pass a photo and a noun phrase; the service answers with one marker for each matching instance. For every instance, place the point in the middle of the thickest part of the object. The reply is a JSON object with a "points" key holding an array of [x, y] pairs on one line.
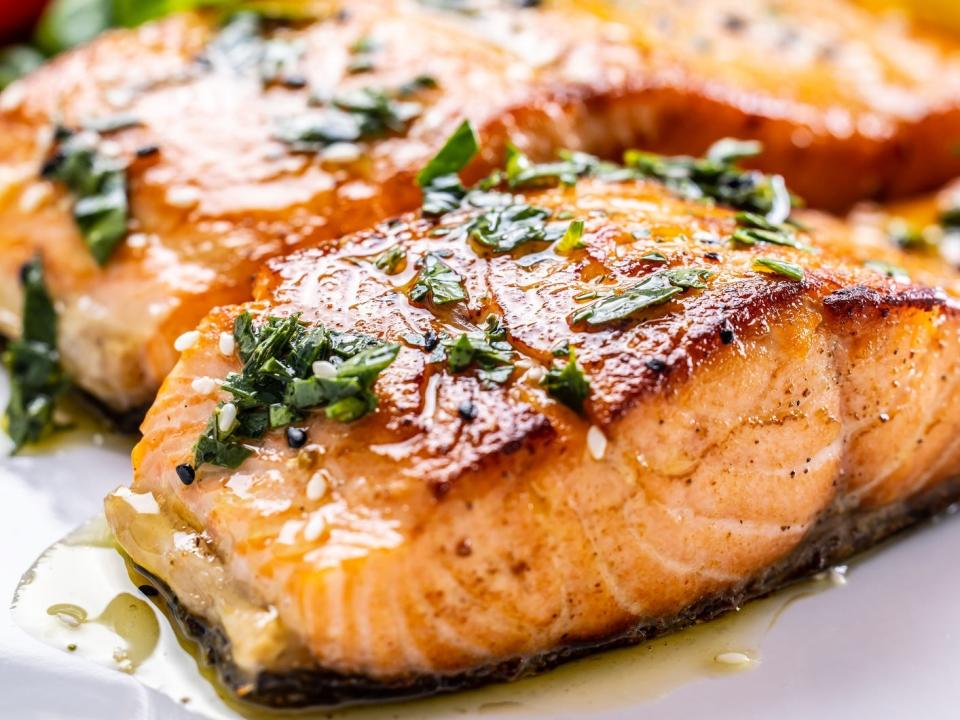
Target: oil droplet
{"points": [[82, 597]]}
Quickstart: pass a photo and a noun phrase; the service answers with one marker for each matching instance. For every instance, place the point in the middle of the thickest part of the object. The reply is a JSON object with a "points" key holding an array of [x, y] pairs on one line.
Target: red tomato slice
{"points": [[17, 18]]}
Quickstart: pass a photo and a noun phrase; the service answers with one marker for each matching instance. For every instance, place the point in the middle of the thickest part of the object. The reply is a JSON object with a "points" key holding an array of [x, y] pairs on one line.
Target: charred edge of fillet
{"points": [[834, 539], [858, 299]]}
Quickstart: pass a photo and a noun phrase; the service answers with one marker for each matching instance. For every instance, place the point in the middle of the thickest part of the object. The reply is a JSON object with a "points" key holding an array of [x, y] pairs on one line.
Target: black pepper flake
{"points": [[727, 333], [296, 437], [148, 151], [658, 366], [712, 256], [149, 590], [186, 473], [430, 340], [467, 411], [294, 82]]}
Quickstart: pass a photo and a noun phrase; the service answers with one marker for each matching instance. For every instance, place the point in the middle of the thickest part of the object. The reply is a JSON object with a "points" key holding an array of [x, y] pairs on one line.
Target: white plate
{"points": [[885, 645]]}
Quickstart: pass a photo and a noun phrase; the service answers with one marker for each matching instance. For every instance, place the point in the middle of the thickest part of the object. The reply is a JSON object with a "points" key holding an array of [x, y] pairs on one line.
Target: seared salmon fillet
{"points": [[157, 168], [600, 411]]}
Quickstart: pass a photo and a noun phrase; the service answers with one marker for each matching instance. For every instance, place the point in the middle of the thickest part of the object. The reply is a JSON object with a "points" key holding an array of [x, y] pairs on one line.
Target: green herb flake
{"points": [[889, 270], [504, 229], [437, 281], [718, 178], [99, 184], [439, 181], [655, 289], [567, 384], [754, 229], [392, 260], [778, 267], [488, 351], [277, 386], [361, 114], [572, 239], [36, 379]]}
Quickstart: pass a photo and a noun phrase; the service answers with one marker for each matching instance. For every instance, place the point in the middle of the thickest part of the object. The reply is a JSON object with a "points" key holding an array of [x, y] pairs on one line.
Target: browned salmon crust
{"points": [[735, 437], [848, 105]]}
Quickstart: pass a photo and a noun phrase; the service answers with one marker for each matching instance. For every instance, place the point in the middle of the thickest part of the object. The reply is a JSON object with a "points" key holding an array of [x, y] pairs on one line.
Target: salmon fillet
{"points": [[689, 417], [212, 174]]}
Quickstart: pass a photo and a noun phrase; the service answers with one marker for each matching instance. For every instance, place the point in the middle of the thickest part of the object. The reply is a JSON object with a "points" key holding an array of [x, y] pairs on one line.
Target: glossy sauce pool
{"points": [[84, 598]]}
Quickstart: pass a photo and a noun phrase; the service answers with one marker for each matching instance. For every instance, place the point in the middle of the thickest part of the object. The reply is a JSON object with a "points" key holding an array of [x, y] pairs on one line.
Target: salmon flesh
{"points": [[226, 146]]}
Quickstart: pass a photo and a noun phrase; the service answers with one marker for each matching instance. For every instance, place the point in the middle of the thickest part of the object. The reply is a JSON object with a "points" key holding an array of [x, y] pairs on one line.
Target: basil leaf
{"points": [[36, 379], [438, 281]]}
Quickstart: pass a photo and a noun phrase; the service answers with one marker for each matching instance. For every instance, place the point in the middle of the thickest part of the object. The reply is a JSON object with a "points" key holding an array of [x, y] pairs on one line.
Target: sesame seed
{"points": [[136, 240], [324, 369], [596, 442], [34, 197], [341, 152], [227, 344], [315, 527], [186, 473], [732, 658], [183, 196], [317, 485], [203, 385], [186, 341], [296, 437], [226, 417]]}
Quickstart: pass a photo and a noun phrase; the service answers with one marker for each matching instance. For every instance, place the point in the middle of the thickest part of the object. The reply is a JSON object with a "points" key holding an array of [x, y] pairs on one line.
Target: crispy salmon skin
{"points": [[600, 410], [233, 146]]}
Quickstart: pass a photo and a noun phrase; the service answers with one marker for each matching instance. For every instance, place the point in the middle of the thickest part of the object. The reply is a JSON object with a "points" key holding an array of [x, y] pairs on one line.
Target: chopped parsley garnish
{"points": [[36, 379], [289, 370], [438, 281], [99, 184], [950, 217], [655, 289], [504, 229], [439, 180], [567, 384], [888, 270], [392, 260], [778, 267], [755, 229], [521, 173], [489, 351], [349, 117], [717, 177], [654, 257]]}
